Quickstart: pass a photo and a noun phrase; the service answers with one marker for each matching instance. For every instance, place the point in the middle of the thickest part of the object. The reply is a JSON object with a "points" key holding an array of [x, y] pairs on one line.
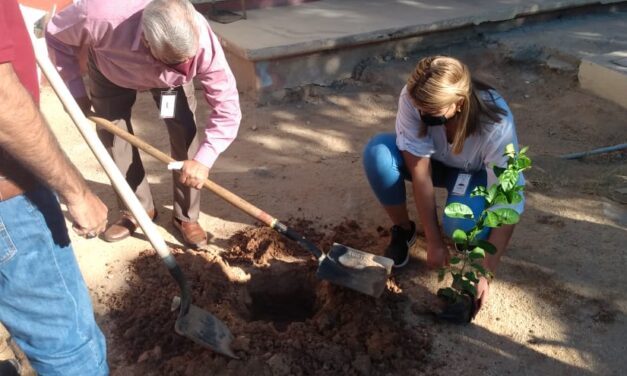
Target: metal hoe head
{"points": [[205, 329], [357, 270]]}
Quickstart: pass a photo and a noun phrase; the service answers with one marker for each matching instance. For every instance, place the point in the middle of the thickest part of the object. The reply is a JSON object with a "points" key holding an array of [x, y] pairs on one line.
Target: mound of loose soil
{"points": [[285, 320]]}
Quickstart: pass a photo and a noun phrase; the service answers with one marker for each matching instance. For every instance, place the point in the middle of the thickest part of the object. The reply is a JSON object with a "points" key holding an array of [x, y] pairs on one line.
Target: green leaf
{"points": [[508, 179], [469, 288], [455, 260], [500, 199], [498, 170], [457, 210], [457, 281], [491, 220], [523, 163], [507, 216], [478, 267], [513, 197], [441, 274], [477, 253], [523, 150], [510, 151], [487, 246], [491, 194], [475, 230], [459, 236], [479, 190], [471, 277]]}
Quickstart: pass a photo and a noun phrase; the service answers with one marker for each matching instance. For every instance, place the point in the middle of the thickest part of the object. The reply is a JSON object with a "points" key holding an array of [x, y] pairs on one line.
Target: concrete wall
{"points": [[273, 79]]}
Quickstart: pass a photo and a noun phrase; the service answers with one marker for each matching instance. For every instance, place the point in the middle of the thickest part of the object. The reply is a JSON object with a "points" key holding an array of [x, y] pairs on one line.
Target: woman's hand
{"points": [[437, 255], [483, 290]]}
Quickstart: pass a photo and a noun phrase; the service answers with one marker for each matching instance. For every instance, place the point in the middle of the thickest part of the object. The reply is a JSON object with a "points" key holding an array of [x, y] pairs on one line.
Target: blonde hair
{"points": [[170, 29], [438, 82]]}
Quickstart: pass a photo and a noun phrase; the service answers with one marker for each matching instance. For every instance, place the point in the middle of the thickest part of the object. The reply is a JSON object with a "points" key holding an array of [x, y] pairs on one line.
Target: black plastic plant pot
{"points": [[458, 309]]}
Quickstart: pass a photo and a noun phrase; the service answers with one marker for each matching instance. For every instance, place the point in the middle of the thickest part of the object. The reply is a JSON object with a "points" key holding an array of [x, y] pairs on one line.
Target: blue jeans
{"points": [[44, 302], [387, 173]]}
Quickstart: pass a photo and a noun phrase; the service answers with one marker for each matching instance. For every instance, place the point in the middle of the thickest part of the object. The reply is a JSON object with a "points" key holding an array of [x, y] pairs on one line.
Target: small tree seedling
{"points": [[465, 266]]}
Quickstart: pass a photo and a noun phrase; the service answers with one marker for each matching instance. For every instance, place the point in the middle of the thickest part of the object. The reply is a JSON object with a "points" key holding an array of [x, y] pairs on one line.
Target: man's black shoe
{"points": [[401, 240]]}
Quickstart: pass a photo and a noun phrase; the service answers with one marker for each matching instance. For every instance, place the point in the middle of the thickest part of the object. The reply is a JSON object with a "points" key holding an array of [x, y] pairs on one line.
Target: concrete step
{"points": [[277, 49], [235, 5], [606, 76]]}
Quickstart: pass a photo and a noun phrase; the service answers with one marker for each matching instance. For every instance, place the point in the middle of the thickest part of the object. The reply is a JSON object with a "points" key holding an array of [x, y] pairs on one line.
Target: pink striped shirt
{"points": [[112, 30]]}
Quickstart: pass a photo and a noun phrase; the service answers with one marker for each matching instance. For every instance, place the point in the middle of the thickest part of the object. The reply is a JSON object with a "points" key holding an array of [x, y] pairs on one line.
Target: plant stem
{"points": [[464, 265]]}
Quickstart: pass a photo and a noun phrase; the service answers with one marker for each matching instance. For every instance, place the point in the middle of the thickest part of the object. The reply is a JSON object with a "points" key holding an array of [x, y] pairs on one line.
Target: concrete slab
{"points": [[331, 24], [595, 45], [319, 42], [568, 39], [606, 76]]}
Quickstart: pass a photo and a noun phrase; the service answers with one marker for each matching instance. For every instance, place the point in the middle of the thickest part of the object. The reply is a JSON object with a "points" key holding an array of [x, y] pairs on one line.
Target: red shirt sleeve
{"points": [[16, 47], [7, 53]]}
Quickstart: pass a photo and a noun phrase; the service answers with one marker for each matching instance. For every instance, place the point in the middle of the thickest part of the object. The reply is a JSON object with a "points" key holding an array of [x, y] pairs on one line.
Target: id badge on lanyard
{"points": [[461, 184], [168, 104]]}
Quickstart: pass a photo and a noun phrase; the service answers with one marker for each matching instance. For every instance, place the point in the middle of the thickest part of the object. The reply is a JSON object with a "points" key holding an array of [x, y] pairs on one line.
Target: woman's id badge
{"points": [[461, 184], [168, 104]]}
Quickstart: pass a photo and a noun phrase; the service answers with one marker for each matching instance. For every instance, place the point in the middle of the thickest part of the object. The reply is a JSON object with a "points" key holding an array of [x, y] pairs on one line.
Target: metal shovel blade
{"points": [[206, 330], [357, 270]]}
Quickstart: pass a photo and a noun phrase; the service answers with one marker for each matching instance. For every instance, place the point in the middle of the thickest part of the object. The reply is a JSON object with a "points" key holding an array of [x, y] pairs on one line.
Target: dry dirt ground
{"points": [[558, 305]]}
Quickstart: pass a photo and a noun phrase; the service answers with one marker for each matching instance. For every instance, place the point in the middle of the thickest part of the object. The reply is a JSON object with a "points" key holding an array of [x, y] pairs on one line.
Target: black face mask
{"points": [[433, 121]]}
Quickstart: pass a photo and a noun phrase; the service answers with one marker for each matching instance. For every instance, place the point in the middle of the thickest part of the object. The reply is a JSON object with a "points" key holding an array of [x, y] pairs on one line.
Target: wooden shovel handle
{"points": [[225, 194]]}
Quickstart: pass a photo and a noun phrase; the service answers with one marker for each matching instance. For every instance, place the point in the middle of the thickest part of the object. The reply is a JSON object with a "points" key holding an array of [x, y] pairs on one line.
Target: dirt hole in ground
{"points": [[282, 296], [285, 321]]}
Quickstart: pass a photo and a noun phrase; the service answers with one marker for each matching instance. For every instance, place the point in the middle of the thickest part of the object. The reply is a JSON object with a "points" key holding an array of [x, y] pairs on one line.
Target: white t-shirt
{"points": [[481, 150]]}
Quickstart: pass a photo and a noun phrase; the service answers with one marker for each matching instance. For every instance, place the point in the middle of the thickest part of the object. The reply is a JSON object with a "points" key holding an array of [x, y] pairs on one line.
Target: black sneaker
{"points": [[401, 240], [10, 367]]}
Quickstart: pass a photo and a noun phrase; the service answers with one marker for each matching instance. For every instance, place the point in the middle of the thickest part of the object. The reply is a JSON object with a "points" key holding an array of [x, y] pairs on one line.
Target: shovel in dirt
{"points": [[193, 322], [342, 265]]}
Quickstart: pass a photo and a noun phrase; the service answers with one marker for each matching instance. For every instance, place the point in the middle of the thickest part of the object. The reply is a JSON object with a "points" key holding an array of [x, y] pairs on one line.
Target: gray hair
{"points": [[170, 29]]}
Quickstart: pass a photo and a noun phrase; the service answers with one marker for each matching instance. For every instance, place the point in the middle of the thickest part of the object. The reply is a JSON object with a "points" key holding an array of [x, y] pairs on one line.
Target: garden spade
{"points": [[342, 265], [192, 322]]}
